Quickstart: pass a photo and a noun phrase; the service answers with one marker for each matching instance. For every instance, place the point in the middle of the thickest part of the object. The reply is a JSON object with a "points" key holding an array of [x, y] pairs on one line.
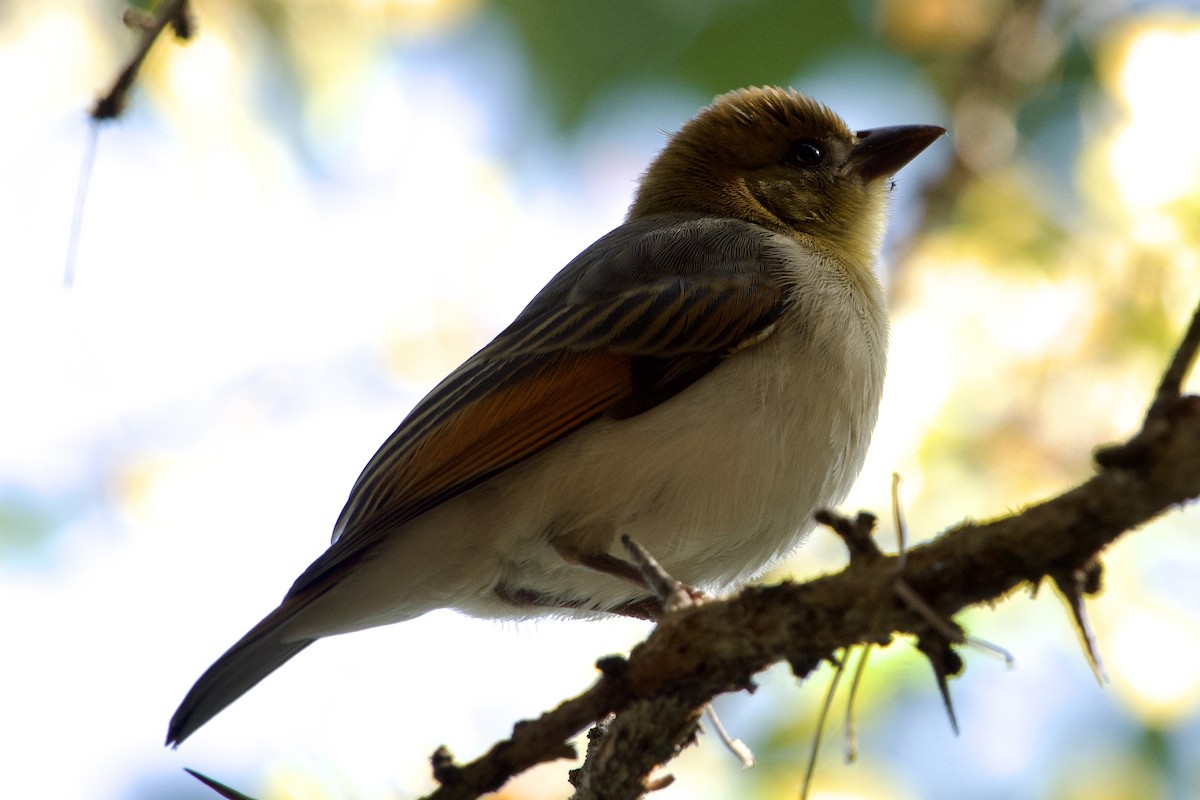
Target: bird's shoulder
{"points": [[662, 285], [648, 251]]}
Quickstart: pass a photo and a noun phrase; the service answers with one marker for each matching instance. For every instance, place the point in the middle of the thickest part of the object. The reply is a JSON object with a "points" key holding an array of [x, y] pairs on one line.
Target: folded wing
{"points": [[636, 318]]}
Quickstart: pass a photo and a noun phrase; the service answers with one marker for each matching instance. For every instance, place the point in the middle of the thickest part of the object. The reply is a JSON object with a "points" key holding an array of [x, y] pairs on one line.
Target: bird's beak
{"points": [[881, 152]]}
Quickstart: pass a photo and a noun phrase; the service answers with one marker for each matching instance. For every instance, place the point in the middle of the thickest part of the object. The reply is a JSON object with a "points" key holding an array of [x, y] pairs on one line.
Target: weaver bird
{"points": [[702, 378]]}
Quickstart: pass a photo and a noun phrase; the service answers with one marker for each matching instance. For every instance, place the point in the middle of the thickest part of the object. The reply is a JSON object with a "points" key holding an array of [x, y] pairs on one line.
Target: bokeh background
{"points": [[315, 209]]}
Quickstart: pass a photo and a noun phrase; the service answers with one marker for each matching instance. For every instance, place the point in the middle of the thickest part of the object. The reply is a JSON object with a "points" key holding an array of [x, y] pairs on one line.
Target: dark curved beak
{"points": [[881, 152]]}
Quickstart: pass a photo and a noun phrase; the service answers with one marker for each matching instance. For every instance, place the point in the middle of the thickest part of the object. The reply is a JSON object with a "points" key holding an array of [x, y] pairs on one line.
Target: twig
{"points": [[940, 654], [1166, 399], [704, 650], [1073, 585], [838, 670], [734, 745], [851, 727], [898, 522], [81, 191], [112, 103], [1171, 385]]}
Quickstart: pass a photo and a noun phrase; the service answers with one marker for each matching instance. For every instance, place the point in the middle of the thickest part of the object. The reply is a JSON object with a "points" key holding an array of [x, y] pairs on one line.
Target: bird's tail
{"points": [[255, 656]]}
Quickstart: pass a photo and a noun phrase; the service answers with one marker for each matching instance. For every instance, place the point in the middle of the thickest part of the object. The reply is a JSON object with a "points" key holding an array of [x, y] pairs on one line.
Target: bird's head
{"points": [[780, 159]]}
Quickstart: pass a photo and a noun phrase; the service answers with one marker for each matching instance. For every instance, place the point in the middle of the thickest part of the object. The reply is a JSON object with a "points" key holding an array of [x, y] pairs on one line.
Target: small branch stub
{"points": [[445, 771], [855, 533]]}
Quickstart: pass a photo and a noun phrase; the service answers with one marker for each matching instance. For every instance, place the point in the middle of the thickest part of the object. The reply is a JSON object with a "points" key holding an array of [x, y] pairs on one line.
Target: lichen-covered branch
{"points": [[703, 650]]}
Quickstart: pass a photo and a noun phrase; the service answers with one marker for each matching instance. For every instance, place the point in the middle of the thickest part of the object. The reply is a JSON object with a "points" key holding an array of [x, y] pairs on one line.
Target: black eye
{"points": [[806, 152]]}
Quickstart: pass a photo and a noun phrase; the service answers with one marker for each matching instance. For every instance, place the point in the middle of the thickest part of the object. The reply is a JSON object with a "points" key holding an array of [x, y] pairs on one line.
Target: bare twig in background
{"points": [[810, 769], [173, 13], [81, 190], [112, 103]]}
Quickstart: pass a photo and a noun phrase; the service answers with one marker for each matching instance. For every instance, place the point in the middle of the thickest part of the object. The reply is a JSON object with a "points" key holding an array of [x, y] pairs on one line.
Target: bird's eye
{"points": [[806, 152]]}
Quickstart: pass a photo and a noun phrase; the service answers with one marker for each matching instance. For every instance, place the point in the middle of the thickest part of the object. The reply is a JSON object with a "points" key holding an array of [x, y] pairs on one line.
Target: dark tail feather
{"points": [[259, 653]]}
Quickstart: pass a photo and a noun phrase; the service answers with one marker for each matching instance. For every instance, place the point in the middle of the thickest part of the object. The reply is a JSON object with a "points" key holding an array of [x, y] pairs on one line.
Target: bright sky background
{"points": [[246, 327]]}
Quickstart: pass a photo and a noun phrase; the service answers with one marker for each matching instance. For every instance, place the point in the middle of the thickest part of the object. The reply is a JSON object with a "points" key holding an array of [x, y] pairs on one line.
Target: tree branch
{"points": [[703, 650]]}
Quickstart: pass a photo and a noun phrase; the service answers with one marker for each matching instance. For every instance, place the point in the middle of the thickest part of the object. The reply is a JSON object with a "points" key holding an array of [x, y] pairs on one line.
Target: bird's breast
{"points": [[722, 479]]}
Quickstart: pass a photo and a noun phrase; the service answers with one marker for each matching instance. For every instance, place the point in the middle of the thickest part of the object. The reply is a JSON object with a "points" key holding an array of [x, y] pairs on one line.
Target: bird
{"points": [[701, 379]]}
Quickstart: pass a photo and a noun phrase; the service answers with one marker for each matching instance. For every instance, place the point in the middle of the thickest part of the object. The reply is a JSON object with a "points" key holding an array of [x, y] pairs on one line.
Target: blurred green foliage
{"points": [[581, 50]]}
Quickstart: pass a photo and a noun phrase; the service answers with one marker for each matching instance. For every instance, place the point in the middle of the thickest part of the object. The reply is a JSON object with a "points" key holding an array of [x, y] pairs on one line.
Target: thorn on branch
{"points": [[1074, 585], [945, 662]]}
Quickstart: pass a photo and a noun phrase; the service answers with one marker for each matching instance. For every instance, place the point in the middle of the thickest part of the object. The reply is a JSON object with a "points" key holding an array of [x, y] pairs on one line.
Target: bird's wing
{"points": [[636, 318]]}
